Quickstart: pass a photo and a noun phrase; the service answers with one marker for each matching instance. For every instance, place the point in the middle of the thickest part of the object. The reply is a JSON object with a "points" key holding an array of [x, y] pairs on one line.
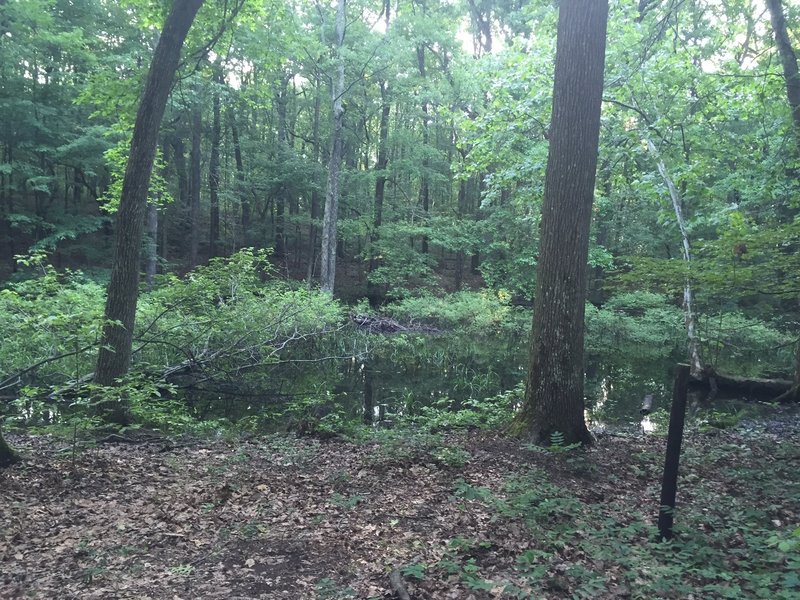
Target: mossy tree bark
{"points": [[554, 391]]}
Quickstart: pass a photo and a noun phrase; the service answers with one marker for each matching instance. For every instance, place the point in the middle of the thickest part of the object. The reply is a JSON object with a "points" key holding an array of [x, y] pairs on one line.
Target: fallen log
{"points": [[776, 390]]}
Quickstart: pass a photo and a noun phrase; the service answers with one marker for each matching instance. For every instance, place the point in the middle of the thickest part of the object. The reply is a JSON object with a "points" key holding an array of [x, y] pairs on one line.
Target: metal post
{"points": [[669, 485]]}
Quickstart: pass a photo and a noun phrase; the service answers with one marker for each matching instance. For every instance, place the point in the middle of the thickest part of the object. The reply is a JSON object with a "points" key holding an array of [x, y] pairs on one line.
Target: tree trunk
{"points": [[789, 62], [120, 310], [7, 456], [313, 230], [695, 361], [792, 77], [554, 391], [194, 186], [151, 245], [240, 191], [281, 103], [373, 293], [328, 271], [424, 189], [213, 168]]}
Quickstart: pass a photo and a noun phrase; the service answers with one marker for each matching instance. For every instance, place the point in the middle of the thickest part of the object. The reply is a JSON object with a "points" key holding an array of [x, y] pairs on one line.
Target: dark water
{"points": [[402, 376]]}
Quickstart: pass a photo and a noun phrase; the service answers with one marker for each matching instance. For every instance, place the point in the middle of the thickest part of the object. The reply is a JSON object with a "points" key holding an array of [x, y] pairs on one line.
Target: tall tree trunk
{"points": [[424, 189], [328, 271], [373, 292], [313, 230], [789, 62], [120, 311], [151, 245], [179, 158], [792, 77], [281, 103], [462, 202], [240, 191], [194, 186], [213, 168], [554, 391]]}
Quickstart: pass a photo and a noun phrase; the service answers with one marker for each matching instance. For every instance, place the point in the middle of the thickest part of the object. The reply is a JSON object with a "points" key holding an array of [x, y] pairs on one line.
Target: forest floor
{"points": [[467, 515]]}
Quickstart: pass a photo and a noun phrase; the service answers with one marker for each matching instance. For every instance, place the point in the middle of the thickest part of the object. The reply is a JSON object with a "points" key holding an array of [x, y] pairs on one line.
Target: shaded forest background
{"points": [[444, 112]]}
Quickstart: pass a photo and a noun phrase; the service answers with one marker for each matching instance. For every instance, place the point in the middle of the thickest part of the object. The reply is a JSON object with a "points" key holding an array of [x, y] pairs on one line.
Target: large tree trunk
{"points": [[328, 270], [792, 77], [554, 391], [123, 288]]}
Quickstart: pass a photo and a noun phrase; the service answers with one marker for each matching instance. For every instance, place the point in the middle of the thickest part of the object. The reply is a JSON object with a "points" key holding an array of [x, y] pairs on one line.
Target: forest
{"points": [[390, 298]]}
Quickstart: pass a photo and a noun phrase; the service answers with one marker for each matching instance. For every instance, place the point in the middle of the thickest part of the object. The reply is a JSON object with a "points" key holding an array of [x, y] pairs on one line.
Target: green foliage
{"points": [[401, 267], [226, 318], [639, 324], [487, 413], [486, 312], [736, 550], [416, 570]]}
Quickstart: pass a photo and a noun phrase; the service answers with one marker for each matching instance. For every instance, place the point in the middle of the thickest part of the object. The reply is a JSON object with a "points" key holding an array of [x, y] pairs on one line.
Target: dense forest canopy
{"points": [[391, 151]]}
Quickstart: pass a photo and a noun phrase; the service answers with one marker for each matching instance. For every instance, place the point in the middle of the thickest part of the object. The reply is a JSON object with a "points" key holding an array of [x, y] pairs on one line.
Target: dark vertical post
{"points": [[669, 485]]}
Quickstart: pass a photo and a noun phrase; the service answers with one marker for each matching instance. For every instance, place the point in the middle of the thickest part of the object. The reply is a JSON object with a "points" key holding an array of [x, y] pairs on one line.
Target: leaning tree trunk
{"points": [[554, 391], [693, 341], [328, 270], [120, 311]]}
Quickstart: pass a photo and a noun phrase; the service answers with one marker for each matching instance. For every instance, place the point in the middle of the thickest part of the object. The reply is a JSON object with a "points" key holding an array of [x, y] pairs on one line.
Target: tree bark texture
{"points": [[123, 288], [554, 391], [151, 242], [328, 269]]}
